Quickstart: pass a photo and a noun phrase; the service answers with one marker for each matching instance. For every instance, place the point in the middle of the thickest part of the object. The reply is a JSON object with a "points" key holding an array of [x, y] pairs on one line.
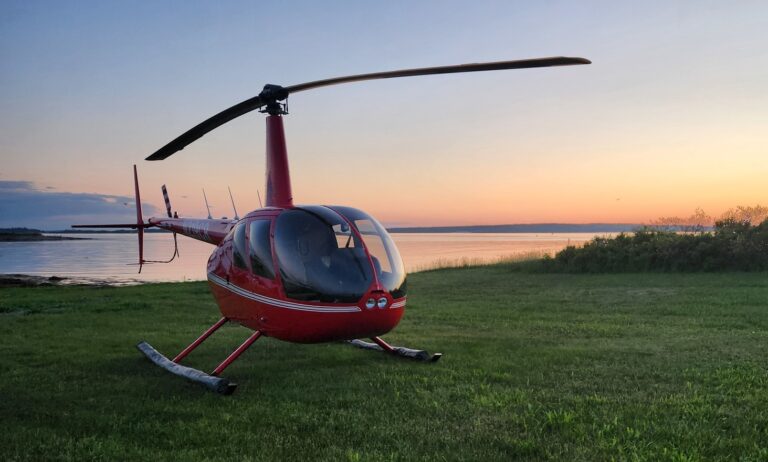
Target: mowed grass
{"points": [[536, 367]]}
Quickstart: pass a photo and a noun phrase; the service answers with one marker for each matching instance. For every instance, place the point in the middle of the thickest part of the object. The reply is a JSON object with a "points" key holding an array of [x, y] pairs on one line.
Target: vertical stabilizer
{"points": [[139, 217]]}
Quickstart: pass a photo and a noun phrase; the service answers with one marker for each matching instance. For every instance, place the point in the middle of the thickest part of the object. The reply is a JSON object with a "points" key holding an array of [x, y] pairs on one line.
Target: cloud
{"points": [[22, 204], [6, 185]]}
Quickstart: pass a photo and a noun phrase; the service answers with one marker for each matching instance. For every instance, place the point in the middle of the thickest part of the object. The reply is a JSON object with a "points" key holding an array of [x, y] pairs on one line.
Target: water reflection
{"points": [[112, 257], [109, 257]]}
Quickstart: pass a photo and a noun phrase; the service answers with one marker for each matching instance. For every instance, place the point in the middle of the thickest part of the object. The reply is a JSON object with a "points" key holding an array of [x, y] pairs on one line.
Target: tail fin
{"points": [[139, 225], [139, 218]]}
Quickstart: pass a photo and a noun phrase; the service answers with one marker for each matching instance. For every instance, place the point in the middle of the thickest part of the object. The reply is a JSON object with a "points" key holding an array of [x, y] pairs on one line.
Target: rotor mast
{"points": [[278, 187], [278, 176]]}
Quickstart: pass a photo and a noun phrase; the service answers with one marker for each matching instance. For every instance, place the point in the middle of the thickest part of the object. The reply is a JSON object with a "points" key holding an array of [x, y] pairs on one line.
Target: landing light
{"points": [[382, 302], [370, 303]]}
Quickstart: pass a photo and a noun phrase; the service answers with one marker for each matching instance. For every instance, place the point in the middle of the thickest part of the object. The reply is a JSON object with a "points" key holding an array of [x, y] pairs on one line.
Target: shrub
{"points": [[733, 245]]}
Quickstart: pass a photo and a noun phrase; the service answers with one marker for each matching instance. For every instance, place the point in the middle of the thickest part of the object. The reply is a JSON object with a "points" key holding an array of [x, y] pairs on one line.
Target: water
{"points": [[112, 257]]}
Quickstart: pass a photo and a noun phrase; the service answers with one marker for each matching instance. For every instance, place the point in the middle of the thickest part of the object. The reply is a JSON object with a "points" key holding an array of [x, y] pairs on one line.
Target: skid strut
{"points": [[199, 340], [212, 380], [381, 345], [235, 354]]}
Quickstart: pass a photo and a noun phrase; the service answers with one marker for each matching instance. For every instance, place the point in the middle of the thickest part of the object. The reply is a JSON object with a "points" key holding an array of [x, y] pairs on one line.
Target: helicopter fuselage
{"points": [[304, 274]]}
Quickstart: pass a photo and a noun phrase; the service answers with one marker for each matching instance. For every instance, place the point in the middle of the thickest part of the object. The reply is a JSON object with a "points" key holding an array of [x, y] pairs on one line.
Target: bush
{"points": [[733, 245]]}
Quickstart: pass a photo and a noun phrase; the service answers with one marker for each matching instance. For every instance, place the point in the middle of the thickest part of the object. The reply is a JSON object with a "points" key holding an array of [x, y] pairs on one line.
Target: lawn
{"points": [[536, 367]]}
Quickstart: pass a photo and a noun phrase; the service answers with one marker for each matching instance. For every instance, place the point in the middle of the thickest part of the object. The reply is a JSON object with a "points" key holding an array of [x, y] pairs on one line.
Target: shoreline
{"points": [[16, 280], [38, 238]]}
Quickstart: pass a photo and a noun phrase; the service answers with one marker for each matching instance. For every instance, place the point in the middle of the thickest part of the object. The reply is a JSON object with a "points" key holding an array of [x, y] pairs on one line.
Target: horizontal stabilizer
{"points": [[122, 225]]}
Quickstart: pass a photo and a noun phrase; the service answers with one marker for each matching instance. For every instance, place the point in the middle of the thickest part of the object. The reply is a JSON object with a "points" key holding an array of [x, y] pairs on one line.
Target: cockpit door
{"points": [[261, 262]]}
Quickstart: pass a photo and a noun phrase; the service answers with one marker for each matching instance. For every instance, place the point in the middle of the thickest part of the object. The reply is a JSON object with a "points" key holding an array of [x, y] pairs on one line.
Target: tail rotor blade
{"points": [[167, 201]]}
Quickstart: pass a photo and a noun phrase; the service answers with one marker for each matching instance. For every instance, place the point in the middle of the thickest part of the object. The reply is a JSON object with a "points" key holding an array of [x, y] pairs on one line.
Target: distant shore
{"points": [[25, 280], [523, 228], [27, 235]]}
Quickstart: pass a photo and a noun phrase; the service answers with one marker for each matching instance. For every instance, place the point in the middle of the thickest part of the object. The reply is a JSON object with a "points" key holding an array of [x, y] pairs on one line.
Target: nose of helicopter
{"points": [[377, 299], [379, 314]]}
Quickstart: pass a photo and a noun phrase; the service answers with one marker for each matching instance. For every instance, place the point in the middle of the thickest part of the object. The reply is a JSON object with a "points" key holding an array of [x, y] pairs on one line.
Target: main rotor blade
{"points": [[475, 67], [206, 126], [273, 93]]}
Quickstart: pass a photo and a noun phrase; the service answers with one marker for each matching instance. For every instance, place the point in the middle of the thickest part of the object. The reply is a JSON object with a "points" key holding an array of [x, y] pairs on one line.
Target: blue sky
{"points": [[669, 117]]}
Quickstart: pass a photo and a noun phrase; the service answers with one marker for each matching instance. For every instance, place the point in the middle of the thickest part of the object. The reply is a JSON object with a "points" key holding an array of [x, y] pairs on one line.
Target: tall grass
{"points": [[471, 262]]}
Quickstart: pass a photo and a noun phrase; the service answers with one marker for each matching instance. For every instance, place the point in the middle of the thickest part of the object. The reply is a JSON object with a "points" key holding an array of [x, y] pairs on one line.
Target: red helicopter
{"points": [[303, 274]]}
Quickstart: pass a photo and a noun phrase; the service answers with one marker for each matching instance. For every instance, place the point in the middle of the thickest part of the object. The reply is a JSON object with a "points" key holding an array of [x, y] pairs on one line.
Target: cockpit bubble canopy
{"points": [[322, 259], [386, 258]]}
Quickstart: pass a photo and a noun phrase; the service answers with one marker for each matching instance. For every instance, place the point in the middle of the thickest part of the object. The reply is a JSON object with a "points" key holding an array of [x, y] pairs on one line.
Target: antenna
{"points": [[259, 194], [207, 206], [233, 203]]}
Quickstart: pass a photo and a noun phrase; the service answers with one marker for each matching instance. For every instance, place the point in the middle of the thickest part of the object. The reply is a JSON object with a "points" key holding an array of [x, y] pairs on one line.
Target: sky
{"points": [[671, 115]]}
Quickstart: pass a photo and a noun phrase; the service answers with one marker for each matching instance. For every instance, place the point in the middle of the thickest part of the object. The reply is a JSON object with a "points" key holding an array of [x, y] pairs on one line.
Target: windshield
{"points": [[320, 258], [386, 258]]}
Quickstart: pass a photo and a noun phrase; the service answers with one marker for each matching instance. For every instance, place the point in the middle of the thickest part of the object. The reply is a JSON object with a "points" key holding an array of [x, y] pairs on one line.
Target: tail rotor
{"points": [[139, 225], [167, 201]]}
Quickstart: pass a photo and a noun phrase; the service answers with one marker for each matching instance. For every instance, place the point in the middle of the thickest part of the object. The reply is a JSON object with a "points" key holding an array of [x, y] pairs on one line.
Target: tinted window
{"points": [[261, 250], [239, 246], [320, 259]]}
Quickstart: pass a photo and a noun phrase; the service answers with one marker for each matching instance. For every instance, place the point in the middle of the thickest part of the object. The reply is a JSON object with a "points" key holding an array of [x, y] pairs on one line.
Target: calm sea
{"points": [[107, 257]]}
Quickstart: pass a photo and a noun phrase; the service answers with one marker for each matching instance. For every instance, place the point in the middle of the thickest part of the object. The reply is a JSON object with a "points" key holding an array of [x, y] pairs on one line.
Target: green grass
{"points": [[536, 367]]}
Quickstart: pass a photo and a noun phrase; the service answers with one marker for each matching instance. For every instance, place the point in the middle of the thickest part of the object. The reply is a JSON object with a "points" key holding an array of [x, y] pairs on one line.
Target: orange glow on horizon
{"points": [[669, 117]]}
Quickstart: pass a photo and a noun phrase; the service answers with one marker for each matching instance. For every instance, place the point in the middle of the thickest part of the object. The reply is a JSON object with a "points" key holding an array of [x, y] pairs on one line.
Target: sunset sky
{"points": [[672, 114]]}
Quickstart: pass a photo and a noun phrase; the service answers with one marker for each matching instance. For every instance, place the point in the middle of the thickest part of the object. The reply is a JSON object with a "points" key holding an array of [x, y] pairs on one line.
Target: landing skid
{"points": [[222, 385], [212, 381], [217, 384], [381, 345]]}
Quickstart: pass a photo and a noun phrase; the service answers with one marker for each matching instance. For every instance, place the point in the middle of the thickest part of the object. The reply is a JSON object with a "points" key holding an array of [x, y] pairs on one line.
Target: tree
{"points": [[746, 214], [699, 222]]}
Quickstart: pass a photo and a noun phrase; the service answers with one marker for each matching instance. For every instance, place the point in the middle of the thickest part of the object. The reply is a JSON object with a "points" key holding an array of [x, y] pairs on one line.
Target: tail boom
{"points": [[210, 231]]}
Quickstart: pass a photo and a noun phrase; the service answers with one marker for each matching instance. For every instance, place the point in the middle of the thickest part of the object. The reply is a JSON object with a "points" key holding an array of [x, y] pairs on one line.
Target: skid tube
{"points": [[381, 345], [211, 381]]}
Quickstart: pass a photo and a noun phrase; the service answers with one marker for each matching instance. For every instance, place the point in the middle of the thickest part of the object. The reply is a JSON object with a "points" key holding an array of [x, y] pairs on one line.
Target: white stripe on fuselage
{"points": [[277, 303]]}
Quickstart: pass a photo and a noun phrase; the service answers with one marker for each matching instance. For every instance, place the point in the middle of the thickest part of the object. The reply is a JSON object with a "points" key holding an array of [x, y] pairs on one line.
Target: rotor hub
{"points": [[272, 95], [275, 108]]}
